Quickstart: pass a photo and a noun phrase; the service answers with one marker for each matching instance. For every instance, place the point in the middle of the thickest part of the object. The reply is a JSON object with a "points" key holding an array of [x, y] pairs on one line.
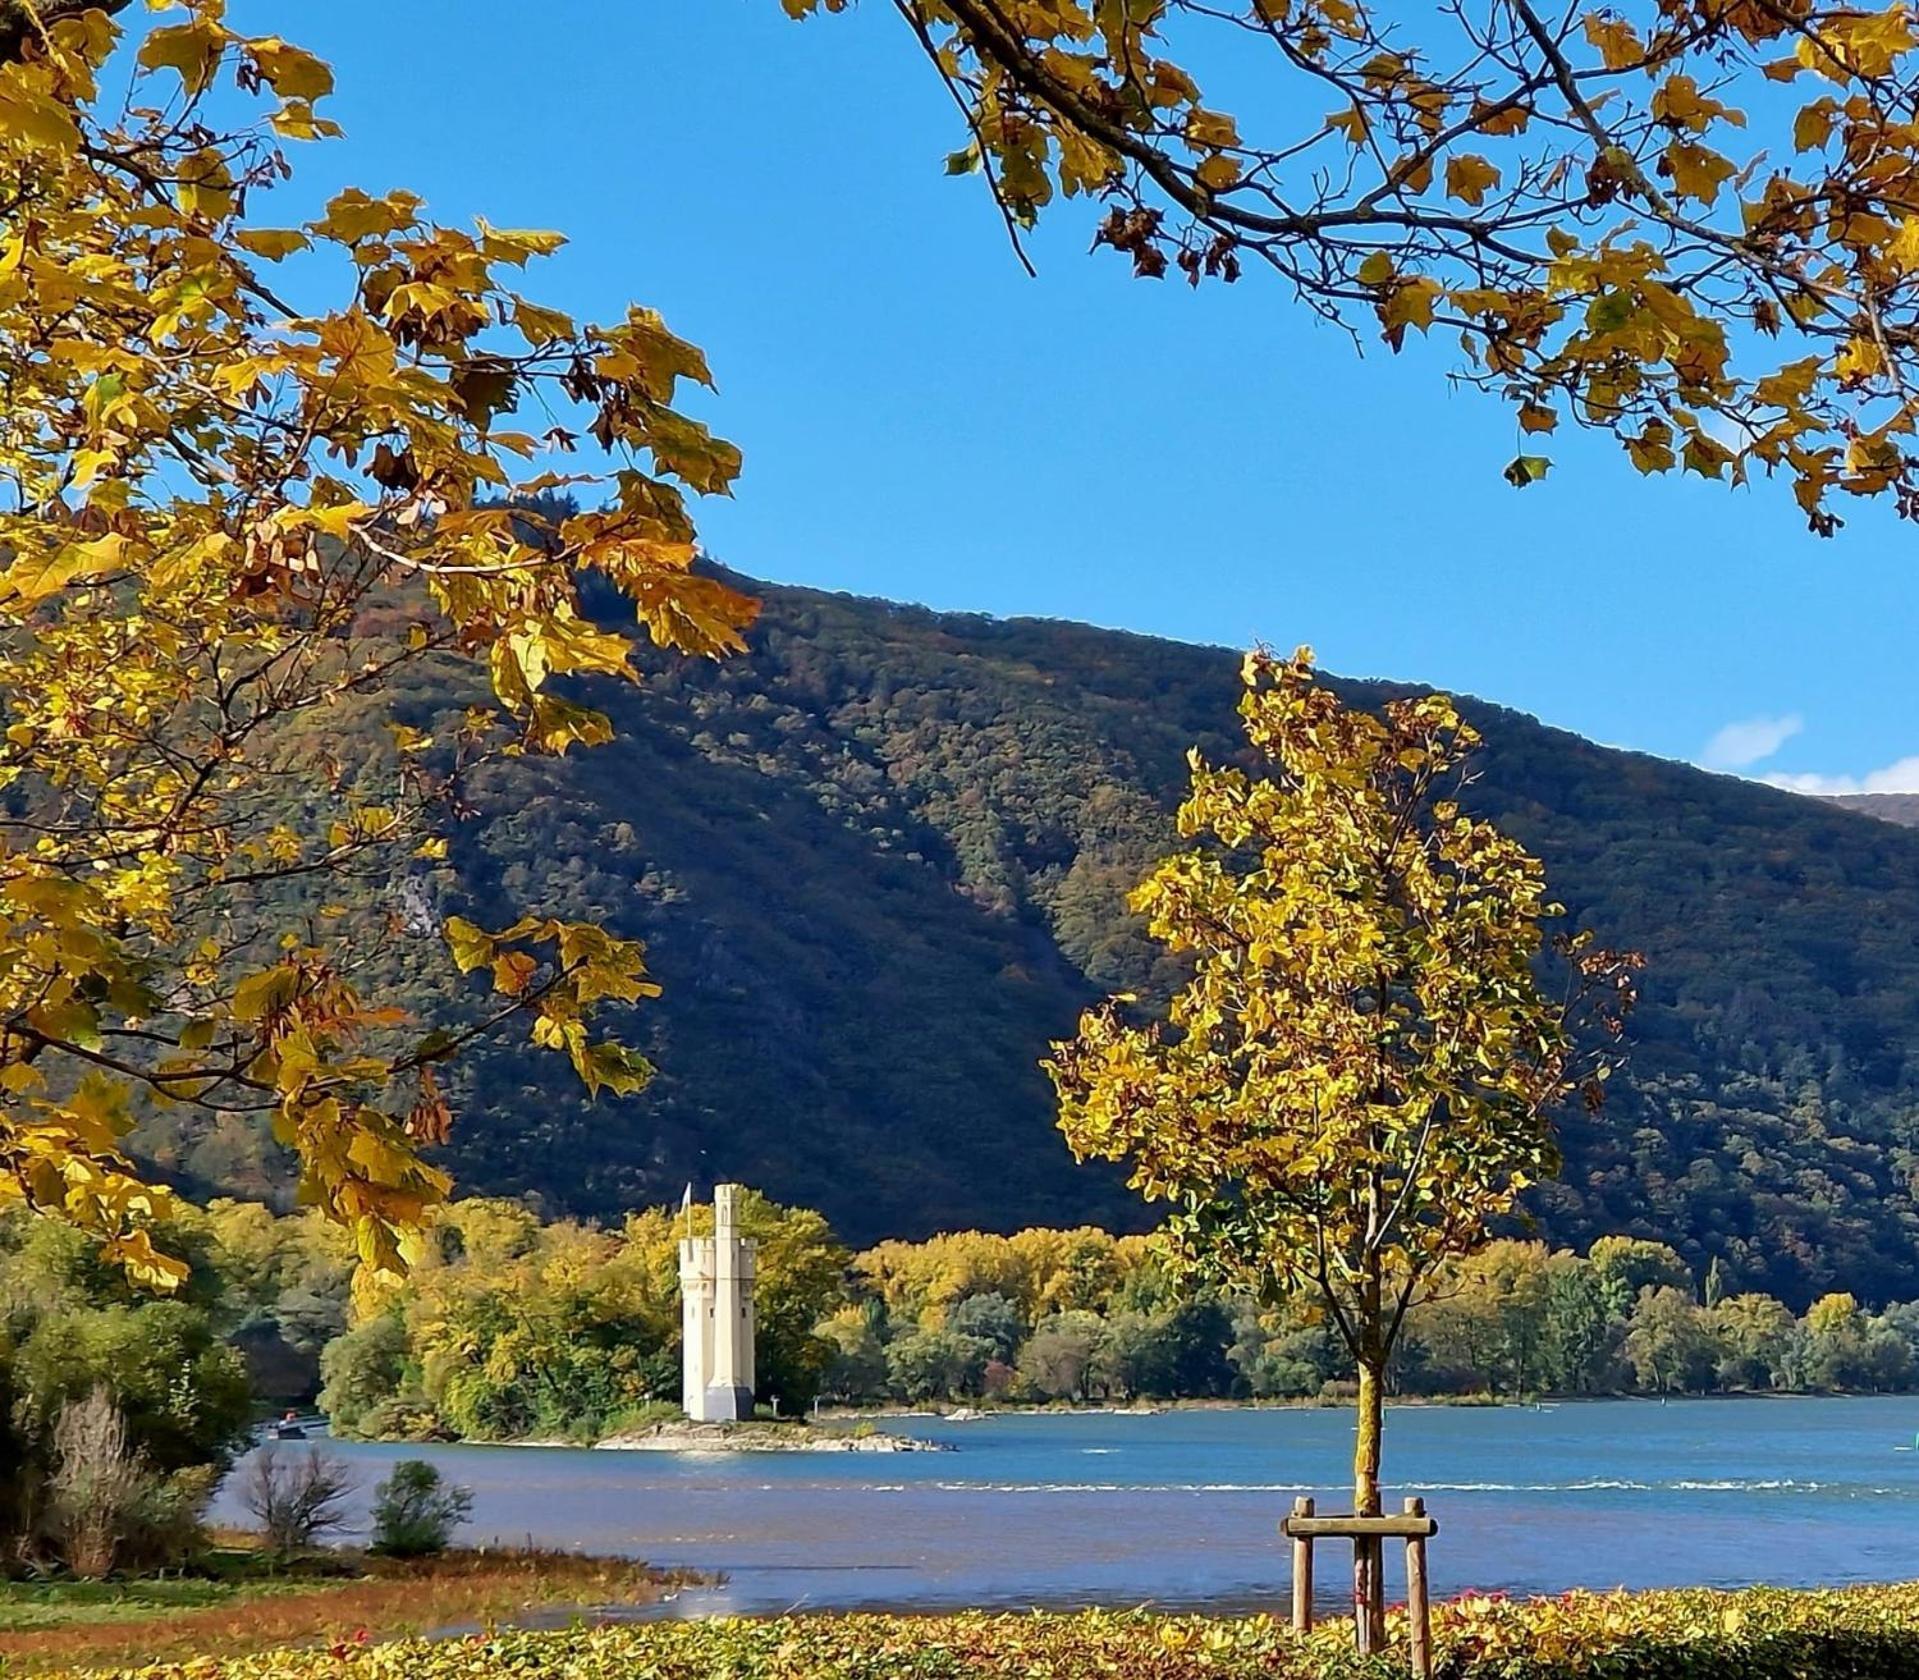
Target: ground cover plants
{"points": [[1864, 1633], [238, 1605]]}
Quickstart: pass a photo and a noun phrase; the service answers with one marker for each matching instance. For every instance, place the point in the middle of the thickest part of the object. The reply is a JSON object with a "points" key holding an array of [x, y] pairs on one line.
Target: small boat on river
{"points": [[288, 1427]]}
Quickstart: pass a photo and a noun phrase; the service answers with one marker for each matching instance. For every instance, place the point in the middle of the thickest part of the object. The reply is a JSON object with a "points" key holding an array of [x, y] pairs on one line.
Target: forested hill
{"points": [[880, 861]]}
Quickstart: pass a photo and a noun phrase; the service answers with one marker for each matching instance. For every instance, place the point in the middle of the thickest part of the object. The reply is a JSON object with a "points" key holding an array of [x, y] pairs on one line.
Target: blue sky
{"points": [[923, 421]]}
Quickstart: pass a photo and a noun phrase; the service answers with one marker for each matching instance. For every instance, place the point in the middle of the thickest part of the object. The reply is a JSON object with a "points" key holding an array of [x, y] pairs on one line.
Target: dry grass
{"points": [[374, 1599]]}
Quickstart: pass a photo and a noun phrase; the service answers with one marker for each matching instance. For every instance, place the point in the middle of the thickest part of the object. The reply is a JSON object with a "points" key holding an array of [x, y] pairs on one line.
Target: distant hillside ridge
{"points": [[1900, 808], [880, 863]]}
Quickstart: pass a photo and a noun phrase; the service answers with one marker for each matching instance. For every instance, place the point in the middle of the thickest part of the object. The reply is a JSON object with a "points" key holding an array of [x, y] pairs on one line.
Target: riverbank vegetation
{"points": [[1867, 1633], [121, 1411], [239, 1601], [514, 1327]]}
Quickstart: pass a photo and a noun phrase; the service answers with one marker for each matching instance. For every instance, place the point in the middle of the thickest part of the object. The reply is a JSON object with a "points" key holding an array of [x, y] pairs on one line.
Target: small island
{"points": [[763, 1436], [717, 1359]]}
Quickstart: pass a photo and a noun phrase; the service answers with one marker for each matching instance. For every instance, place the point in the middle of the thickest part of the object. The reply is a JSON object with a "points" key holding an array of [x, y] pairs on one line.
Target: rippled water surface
{"points": [[1179, 1508]]}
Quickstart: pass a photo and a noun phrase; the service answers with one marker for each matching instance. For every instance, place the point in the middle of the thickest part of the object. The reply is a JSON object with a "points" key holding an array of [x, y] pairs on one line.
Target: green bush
{"points": [[415, 1512], [1866, 1633]]}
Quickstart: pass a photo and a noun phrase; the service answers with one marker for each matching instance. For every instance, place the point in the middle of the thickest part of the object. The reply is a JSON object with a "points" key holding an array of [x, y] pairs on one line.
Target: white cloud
{"points": [[1901, 777], [1750, 741]]}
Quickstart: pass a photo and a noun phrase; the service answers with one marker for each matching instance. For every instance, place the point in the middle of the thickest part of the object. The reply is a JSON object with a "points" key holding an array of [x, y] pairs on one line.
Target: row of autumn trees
{"points": [[513, 1327]]}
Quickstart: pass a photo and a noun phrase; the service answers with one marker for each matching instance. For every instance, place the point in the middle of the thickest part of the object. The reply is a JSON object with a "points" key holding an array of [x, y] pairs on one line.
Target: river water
{"points": [[1180, 1508]]}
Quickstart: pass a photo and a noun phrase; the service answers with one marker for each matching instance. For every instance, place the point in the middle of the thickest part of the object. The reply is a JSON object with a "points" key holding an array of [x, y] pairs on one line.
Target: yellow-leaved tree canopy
{"points": [[1691, 223], [1361, 1075], [234, 497]]}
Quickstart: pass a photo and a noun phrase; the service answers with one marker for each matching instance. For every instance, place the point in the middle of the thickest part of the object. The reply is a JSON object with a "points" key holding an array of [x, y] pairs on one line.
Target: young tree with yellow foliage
{"points": [[227, 513], [1693, 224], [1360, 1075]]}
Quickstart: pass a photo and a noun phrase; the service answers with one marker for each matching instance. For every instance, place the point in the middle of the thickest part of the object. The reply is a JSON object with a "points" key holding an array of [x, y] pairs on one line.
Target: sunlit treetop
{"points": [[1691, 223], [252, 472], [1382, 1017]]}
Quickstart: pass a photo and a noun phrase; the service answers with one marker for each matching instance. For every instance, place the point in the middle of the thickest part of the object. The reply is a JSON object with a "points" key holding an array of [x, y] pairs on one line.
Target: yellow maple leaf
{"points": [[1469, 178]]}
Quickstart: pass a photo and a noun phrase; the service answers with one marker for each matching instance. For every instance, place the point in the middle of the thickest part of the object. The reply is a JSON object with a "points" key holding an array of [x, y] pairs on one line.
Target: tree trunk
{"points": [[1369, 1589]]}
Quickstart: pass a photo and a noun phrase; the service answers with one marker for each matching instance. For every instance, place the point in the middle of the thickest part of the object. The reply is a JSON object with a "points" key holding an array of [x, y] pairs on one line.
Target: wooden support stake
{"points": [[1369, 1536], [1302, 1572], [1419, 1631]]}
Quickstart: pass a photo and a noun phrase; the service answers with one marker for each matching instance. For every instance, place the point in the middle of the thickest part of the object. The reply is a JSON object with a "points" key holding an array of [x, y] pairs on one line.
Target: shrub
{"points": [[96, 1483], [649, 1414], [105, 1506], [166, 1526], [415, 1513], [296, 1500], [182, 1391]]}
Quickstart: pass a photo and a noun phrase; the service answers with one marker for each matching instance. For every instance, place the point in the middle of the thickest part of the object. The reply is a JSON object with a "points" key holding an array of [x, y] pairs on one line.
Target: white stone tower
{"points": [[716, 1315]]}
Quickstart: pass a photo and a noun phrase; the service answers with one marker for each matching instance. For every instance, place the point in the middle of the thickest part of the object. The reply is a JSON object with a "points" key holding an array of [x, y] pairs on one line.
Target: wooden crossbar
{"points": [[1353, 1528]]}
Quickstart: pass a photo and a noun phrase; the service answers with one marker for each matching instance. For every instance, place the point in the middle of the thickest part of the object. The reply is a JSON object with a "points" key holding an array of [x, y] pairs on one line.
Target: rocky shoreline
{"points": [[762, 1437]]}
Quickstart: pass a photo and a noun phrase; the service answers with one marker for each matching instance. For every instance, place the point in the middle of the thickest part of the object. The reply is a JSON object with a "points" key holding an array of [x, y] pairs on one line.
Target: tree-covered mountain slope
{"points": [[880, 863]]}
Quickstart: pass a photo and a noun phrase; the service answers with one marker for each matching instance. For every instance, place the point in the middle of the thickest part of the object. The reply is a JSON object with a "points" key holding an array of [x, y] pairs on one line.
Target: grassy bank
{"points": [[1857, 1634], [237, 1606]]}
